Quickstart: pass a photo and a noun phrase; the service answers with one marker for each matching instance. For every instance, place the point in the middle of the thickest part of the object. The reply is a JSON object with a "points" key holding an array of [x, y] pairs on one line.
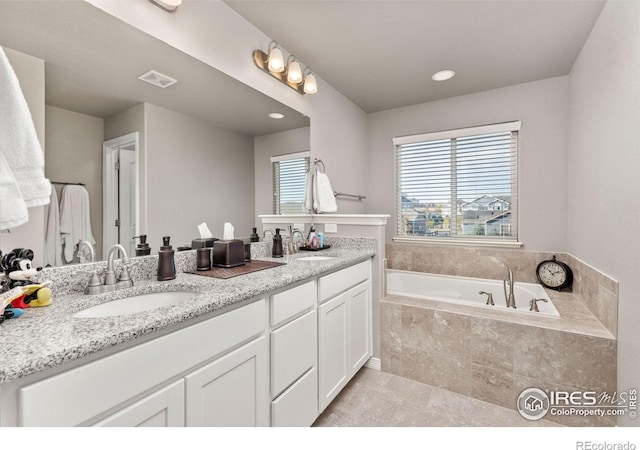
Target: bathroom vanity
{"points": [[271, 348]]}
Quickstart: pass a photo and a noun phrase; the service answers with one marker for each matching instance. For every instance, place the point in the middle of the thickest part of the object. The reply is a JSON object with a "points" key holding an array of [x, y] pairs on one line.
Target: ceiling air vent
{"points": [[157, 79]]}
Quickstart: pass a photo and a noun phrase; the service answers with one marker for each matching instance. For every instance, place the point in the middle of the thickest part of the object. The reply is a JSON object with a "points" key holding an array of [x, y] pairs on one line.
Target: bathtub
{"points": [[465, 291]]}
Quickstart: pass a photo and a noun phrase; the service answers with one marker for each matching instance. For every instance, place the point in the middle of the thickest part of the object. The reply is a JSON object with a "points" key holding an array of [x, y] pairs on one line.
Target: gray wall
{"points": [[543, 108], [30, 73], [195, 173], [265, 147], [604, 168], [125, 122], [74, 154]]}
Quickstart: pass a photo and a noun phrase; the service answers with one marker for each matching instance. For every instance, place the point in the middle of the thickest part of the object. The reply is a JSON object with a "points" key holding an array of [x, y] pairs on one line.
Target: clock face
{"points": [[552, 274]]}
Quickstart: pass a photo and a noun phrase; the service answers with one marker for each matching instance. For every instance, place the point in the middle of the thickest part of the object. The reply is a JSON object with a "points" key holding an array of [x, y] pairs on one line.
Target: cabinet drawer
{"points": [[293, 351], [298, 405], [75, 396], [289, 303], [342, 280]]}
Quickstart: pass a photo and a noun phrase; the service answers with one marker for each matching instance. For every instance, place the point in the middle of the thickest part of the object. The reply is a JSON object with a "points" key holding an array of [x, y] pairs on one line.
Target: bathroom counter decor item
{"points": [[311, 249], [230, 272]]}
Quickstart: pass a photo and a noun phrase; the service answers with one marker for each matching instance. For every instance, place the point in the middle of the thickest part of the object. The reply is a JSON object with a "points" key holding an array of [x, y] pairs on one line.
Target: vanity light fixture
{"points": [[167, 5], [294, 72], [443, 75], [310, 83], [290, 73]]}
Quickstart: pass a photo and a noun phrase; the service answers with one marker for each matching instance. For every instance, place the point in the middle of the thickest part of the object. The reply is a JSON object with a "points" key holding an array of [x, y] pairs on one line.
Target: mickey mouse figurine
{"points": [[17, 267]]}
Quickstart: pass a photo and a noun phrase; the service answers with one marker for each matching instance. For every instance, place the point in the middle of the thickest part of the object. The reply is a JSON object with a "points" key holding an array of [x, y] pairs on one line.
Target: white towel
{"points": [[75, 219], [13, 210], [52, 238], [324, 201], [18, 140]]}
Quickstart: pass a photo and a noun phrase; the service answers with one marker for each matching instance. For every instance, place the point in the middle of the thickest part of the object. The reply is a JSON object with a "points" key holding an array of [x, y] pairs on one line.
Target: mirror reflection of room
{"points": [[130, 157]]}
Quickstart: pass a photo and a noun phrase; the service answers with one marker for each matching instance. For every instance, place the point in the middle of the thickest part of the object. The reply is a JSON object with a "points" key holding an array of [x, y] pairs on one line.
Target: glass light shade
{"points": [[276, 60], [310, 84], [294, 73], [175, 3]]}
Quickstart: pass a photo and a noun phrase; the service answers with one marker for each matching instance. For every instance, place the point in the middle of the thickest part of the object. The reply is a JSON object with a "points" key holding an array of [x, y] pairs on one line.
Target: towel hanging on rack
{"points": [[319, 196]]}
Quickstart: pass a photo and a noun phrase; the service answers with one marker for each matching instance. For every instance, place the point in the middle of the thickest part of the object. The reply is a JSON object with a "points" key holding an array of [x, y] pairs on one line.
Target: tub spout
{"points": [[509, 297]]}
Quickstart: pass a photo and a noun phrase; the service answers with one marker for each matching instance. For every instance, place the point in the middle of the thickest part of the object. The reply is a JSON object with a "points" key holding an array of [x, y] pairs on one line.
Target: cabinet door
{"points": [[333, 335], [164, 408], [231, 391], [360, 345]]}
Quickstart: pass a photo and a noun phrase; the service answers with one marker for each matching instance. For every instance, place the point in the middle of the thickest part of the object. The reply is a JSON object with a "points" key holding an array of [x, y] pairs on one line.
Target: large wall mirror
{"points": [[155, 161]]}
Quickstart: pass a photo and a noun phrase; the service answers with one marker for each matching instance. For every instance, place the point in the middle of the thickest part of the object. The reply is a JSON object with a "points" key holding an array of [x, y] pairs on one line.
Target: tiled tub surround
{"points": [[597, 291], [47, 337], [494, 355]]}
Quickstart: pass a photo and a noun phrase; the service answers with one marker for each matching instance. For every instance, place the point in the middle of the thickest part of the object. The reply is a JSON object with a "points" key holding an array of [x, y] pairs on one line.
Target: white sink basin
{"points": [[135, 304], [316, 258]]}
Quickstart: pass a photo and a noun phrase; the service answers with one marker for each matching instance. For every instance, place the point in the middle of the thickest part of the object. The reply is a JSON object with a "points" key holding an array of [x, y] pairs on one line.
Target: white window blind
{"points": [[458, 184], [289, 175]]}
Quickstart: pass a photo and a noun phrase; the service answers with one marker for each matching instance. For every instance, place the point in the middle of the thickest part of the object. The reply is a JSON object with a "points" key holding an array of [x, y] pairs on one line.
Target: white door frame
{"points": [[109, 181]]}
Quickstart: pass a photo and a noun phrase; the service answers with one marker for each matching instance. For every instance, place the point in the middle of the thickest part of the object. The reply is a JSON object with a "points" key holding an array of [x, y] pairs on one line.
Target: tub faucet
{"points": [[510, 298], [489, 297]]}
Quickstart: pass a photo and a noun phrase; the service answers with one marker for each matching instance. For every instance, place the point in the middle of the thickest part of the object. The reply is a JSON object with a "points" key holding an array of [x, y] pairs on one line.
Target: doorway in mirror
{"points": [[120, 192]]}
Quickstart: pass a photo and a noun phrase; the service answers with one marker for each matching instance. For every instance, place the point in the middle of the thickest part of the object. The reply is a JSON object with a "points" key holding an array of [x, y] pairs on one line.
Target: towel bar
{"points": [[342, 194]]}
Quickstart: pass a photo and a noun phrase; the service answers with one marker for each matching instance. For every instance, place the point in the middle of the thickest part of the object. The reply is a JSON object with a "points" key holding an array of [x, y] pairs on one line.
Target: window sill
{"points": [[453, 242]]}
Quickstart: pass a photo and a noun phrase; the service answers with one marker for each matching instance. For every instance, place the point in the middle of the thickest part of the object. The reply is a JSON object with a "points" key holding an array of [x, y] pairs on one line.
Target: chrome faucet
{"points": [[510, 298], [96, 286], [92, 251], [293, 235], [264, 233]]}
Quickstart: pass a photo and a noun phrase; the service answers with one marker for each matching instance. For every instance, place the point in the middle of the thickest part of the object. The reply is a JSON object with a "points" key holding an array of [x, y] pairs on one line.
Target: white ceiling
{"points": [[381, 54], [92, 61]]}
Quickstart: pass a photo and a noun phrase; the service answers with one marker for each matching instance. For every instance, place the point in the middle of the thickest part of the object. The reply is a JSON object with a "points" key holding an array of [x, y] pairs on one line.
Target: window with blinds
{"points": [[289, 176], [458, 183]]}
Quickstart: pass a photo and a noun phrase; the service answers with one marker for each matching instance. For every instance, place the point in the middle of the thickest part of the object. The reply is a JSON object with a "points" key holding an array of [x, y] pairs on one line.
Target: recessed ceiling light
{"points": [[443, 75], [276, 115]]}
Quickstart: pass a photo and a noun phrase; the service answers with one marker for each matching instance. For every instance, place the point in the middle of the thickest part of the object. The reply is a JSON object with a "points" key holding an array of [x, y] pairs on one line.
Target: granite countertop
{"points": [[46, 337]]}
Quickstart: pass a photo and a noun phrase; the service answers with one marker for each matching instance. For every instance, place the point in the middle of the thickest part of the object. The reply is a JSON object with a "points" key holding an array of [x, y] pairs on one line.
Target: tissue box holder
{"points": [[228, 253]]}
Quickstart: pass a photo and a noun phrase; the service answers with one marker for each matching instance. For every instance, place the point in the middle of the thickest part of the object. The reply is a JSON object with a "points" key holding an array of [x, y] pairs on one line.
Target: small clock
{"points": [[554, 274]]}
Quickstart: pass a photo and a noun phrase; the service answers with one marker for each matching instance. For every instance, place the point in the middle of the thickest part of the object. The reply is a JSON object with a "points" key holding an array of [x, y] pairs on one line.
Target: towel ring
{"points": [[319, 162]]}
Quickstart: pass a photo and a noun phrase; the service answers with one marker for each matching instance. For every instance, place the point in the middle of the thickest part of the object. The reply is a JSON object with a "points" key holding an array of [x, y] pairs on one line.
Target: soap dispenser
{"points": [[166, 261], [277, 245], [142, 249], [254, 236]]}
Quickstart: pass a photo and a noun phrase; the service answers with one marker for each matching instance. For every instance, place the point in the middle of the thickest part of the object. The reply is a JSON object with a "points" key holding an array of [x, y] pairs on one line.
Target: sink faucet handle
{"points": [[125, 274], [533, 304]]}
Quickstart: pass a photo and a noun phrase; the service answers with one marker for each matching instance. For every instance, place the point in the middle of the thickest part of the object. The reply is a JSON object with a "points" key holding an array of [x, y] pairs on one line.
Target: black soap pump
{"points": [[277, 245], [142, 249], [166, 261], [254, 236]]}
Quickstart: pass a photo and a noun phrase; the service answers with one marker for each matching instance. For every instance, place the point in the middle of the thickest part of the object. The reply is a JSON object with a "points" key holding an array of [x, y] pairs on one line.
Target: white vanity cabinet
{"points": [[276, 361], [294, 343], [344, 328], [129, 378]]}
